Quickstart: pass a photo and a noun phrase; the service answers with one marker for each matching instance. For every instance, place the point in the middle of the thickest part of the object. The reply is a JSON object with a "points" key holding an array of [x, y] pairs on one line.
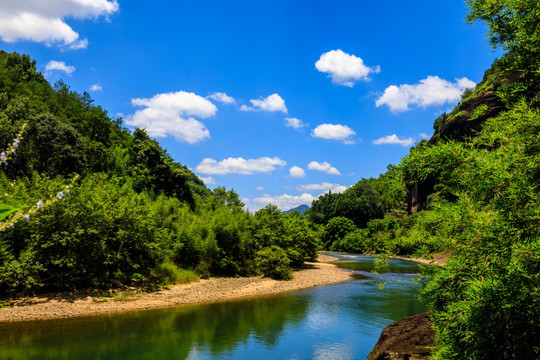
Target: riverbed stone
{"points": [[407, 339]]}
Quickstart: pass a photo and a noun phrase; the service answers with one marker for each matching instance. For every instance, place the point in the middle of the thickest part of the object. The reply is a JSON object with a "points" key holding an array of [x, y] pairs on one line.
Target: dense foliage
{"points": [[356, 208], [84, 202], [513, 25], [368, 199], [487, 300]]}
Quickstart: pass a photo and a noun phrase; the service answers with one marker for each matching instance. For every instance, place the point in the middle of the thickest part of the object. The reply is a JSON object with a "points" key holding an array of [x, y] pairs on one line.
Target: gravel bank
{"points": [[202, 291]]}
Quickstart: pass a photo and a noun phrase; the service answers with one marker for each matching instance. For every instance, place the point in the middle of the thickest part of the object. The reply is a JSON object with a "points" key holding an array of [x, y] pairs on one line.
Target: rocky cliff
{"points": [[463, 122]]}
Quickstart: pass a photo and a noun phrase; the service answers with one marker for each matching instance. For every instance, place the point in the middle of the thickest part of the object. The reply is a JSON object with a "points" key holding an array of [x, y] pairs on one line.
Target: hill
{"points": [[301, 209], [88, 203]]}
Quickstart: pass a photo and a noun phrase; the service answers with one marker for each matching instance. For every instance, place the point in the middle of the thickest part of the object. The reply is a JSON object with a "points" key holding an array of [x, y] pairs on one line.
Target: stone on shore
{"points": [[407, 339]]}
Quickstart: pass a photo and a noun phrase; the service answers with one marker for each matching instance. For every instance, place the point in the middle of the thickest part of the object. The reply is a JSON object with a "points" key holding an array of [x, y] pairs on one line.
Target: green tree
{"points": [[336, 229], [513, 25], [301, 240], [50, 147], [229, 198], [274, 263], [360, 203], [153, 169], [269, 228], [323, 208]]}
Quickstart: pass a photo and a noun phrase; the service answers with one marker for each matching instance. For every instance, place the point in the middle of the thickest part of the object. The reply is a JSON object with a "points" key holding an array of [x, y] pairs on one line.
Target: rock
{"points": [[406, 339], [463, 127], [459, 129], [417, 194]]}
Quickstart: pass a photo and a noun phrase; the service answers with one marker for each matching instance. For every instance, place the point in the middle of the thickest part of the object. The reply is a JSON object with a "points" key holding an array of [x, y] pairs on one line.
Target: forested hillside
{"points": [[471, 192], [85, 202]]}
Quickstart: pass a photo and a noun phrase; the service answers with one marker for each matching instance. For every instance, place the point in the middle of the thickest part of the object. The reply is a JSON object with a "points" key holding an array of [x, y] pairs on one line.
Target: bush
{"points": [[336, 229], [353, 242], [168, 273], [274, 263]]}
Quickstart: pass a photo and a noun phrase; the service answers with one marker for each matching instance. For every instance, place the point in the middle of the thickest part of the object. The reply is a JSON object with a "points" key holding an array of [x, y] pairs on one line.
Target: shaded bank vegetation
{"points": [[85, 202]]}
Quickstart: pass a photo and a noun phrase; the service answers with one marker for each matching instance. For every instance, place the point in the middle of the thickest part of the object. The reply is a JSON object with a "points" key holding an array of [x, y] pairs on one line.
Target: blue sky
{"points": [[279, 100]]}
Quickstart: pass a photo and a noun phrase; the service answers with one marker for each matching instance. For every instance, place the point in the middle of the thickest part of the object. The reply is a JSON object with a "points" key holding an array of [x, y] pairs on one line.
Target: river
{"points": [[341, 321]]}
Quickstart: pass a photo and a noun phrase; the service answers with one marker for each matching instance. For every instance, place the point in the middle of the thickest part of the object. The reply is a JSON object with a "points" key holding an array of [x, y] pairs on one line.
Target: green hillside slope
{"points": [[85, 202]]}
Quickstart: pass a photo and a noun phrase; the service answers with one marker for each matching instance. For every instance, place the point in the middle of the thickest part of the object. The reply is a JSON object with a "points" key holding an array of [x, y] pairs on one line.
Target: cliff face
{"points": [[464, 122], [418, 193], [407, 339], [468, 121]]}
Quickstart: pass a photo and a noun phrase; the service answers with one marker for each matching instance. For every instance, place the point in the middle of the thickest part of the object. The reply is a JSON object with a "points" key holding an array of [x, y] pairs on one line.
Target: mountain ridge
{"points": [[300, 208]]}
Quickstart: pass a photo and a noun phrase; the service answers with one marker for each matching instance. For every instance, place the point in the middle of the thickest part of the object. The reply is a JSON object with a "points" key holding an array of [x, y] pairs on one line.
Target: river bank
{"points": [[440, 259], [65, 305], [437, 259]]}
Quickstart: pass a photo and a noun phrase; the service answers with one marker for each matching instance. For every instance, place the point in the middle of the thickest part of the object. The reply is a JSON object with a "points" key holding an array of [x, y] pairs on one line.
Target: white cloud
{"points": [[430, 91], [394, 139], [325, 187], [297, 172], [334, 132], [43, 21], [425, 136], [343, 68], [270, 103], [325, 166], [333, 351], [79, 44], [294, 123], [96, 87], [222, 97], [208, 180], [54, 65], [284, 202], [172, 114], [239, 166], [259, 188]]}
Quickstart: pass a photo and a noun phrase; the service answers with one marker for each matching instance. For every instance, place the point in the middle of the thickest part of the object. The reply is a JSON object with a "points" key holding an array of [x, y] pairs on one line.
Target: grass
{"points": [[169, 273], [4, 305], [116, 296]]}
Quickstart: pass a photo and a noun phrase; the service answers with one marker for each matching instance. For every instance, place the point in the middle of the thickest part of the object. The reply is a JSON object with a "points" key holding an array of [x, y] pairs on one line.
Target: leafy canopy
{"points": [[513, 25]]}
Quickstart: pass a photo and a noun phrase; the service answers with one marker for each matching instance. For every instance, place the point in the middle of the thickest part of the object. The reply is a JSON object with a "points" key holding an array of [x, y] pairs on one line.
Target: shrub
{"points": [[353, 242], [336, 229], [168, 273], [274, 263]]}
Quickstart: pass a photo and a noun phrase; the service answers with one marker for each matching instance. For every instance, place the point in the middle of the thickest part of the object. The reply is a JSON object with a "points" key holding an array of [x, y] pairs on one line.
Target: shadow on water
{"points": [[341, 321]]}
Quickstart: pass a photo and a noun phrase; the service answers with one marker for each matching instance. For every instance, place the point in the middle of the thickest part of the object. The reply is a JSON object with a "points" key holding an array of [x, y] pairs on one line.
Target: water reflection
{"points": [[341, 321], [216, 329], [336, 351], [364, 263]]}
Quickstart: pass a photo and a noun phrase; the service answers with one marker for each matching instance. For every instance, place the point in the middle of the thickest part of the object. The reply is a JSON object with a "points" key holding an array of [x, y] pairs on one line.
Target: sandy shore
{"points": [[202, 291]]}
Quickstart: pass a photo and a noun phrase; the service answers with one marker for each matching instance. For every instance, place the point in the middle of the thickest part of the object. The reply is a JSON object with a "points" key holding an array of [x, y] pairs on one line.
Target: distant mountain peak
{"points": [[301, 209]]}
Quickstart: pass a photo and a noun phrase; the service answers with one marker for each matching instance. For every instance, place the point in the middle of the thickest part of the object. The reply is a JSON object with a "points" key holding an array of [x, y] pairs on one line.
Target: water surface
{"points": [[341, 321]]}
